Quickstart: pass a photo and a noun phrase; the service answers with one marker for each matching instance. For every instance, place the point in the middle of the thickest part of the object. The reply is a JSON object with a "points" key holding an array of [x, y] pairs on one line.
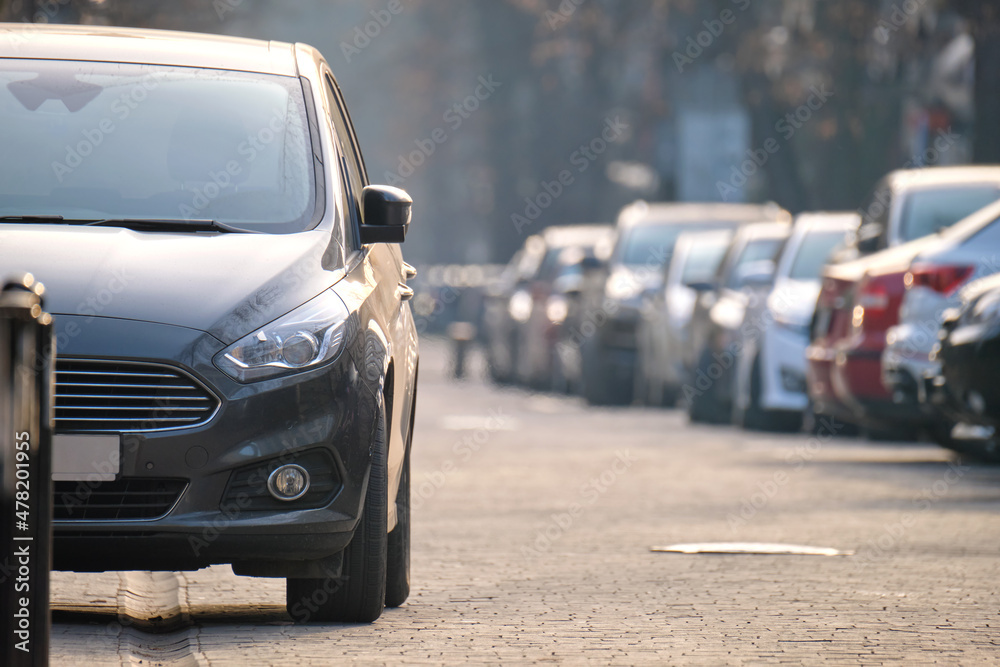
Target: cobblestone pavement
{"points": [[533, 525]]}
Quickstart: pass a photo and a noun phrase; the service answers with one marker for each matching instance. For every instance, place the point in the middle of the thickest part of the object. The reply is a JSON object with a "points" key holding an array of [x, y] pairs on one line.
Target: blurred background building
{"points": [[502, 117]]}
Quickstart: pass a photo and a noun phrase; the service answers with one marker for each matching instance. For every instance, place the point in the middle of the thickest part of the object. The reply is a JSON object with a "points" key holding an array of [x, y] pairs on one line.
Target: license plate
{"points": [[85, 458]]}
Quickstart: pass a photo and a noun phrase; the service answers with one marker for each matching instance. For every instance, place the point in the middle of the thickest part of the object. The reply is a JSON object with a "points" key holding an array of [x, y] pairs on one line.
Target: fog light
{"points": [[288, 482]]}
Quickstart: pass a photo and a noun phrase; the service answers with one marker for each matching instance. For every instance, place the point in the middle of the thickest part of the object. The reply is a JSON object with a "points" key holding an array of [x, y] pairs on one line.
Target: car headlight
{"points": [[557, 309], [623, 286], [520, 306], [310, 335]]}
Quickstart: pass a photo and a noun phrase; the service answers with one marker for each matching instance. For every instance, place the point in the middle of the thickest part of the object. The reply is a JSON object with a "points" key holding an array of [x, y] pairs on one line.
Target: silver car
{"points": [[966, 252], [663, 333]]}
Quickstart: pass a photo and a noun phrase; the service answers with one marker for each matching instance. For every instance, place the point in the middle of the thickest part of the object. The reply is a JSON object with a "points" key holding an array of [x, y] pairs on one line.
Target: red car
{"points": [[857, 304], [860, 298]]}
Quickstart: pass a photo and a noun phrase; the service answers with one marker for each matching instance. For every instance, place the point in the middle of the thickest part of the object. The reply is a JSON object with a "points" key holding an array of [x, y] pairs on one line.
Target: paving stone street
{"points": [[534, 516]]}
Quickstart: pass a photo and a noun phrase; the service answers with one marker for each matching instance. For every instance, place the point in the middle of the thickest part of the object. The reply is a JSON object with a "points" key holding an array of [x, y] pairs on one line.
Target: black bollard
{"points": [[26, 381], [462, 334]]}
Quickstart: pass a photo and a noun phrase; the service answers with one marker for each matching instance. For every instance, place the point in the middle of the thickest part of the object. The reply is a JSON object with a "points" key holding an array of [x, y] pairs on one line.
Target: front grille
{"points": [[138, 498], [115, 396]]}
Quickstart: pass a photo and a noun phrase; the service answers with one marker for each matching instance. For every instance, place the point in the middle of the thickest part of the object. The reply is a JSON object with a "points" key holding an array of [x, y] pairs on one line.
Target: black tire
{"points": [[594, 379], [704, 407], [641, 384], [397, 583], [359, 595]]}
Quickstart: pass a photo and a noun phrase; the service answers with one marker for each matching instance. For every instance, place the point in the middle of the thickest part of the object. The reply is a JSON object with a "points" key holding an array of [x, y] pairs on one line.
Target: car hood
{"points": [[794, 300], [224, 284]]}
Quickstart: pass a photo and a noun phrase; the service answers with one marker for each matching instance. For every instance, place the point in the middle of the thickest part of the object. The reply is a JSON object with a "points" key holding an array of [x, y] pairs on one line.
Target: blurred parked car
{"points": [[549, 304], [964, 253], [859, 298], [531, 300], [968, 358], [499, 326], [908, 204], [646, 234], [770, 377], [662, 331], [740, 286]]}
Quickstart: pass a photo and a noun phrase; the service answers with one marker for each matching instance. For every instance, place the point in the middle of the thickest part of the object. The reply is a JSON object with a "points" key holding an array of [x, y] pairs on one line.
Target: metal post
{"points": [[462, 334], [26, 380]]}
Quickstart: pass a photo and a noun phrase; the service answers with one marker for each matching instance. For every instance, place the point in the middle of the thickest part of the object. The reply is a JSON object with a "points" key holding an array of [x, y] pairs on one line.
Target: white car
{"points": [[770, 381]]}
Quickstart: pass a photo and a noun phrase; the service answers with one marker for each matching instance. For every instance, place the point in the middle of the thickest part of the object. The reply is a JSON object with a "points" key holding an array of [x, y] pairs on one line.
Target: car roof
{"points": [[665, 213], [567, 235], [906, 179], [765, 230], [832, 220], [154, 47]]}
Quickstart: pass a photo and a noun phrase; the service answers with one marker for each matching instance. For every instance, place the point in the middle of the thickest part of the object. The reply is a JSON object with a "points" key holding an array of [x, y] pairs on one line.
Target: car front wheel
{"points": [[397, 585], [358, 596]]}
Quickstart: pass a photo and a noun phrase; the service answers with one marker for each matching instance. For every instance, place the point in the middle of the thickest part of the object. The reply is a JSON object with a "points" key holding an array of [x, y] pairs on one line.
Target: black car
{"points": [[969, 355], [235, 355], [740, 286]]}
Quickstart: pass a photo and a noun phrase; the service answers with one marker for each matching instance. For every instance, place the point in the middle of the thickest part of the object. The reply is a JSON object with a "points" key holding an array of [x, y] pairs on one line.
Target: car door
{"points": [[378, 271]]}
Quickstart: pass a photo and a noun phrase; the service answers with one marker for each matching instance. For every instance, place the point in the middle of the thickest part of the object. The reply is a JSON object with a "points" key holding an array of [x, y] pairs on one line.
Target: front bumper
{"points": [[783, 369], [329, 409]]}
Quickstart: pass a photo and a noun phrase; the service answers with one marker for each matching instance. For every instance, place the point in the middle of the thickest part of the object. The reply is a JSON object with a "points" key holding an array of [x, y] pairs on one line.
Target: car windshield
{"points": [[813, 253], [703, 259], [99, 140], [648, 245], [754, 251], [928, 211]]}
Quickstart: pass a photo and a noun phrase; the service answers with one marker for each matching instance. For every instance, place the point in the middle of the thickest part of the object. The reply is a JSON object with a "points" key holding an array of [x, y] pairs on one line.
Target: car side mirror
{"points": [[950, 319], [869, 238], [385, 214]]}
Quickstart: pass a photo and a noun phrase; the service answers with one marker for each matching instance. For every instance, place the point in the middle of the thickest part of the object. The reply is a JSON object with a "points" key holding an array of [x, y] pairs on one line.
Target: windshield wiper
{"points": [[138, 224], [179, 224], [32, 218]]}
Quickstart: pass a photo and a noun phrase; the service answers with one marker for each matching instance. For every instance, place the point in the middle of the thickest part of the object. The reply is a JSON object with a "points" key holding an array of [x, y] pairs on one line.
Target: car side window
{"points": [[352, 164]]}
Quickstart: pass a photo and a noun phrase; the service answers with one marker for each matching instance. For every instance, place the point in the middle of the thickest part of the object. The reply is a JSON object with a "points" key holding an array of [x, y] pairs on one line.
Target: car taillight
{"points": [[876, 302], [943, 278]]}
